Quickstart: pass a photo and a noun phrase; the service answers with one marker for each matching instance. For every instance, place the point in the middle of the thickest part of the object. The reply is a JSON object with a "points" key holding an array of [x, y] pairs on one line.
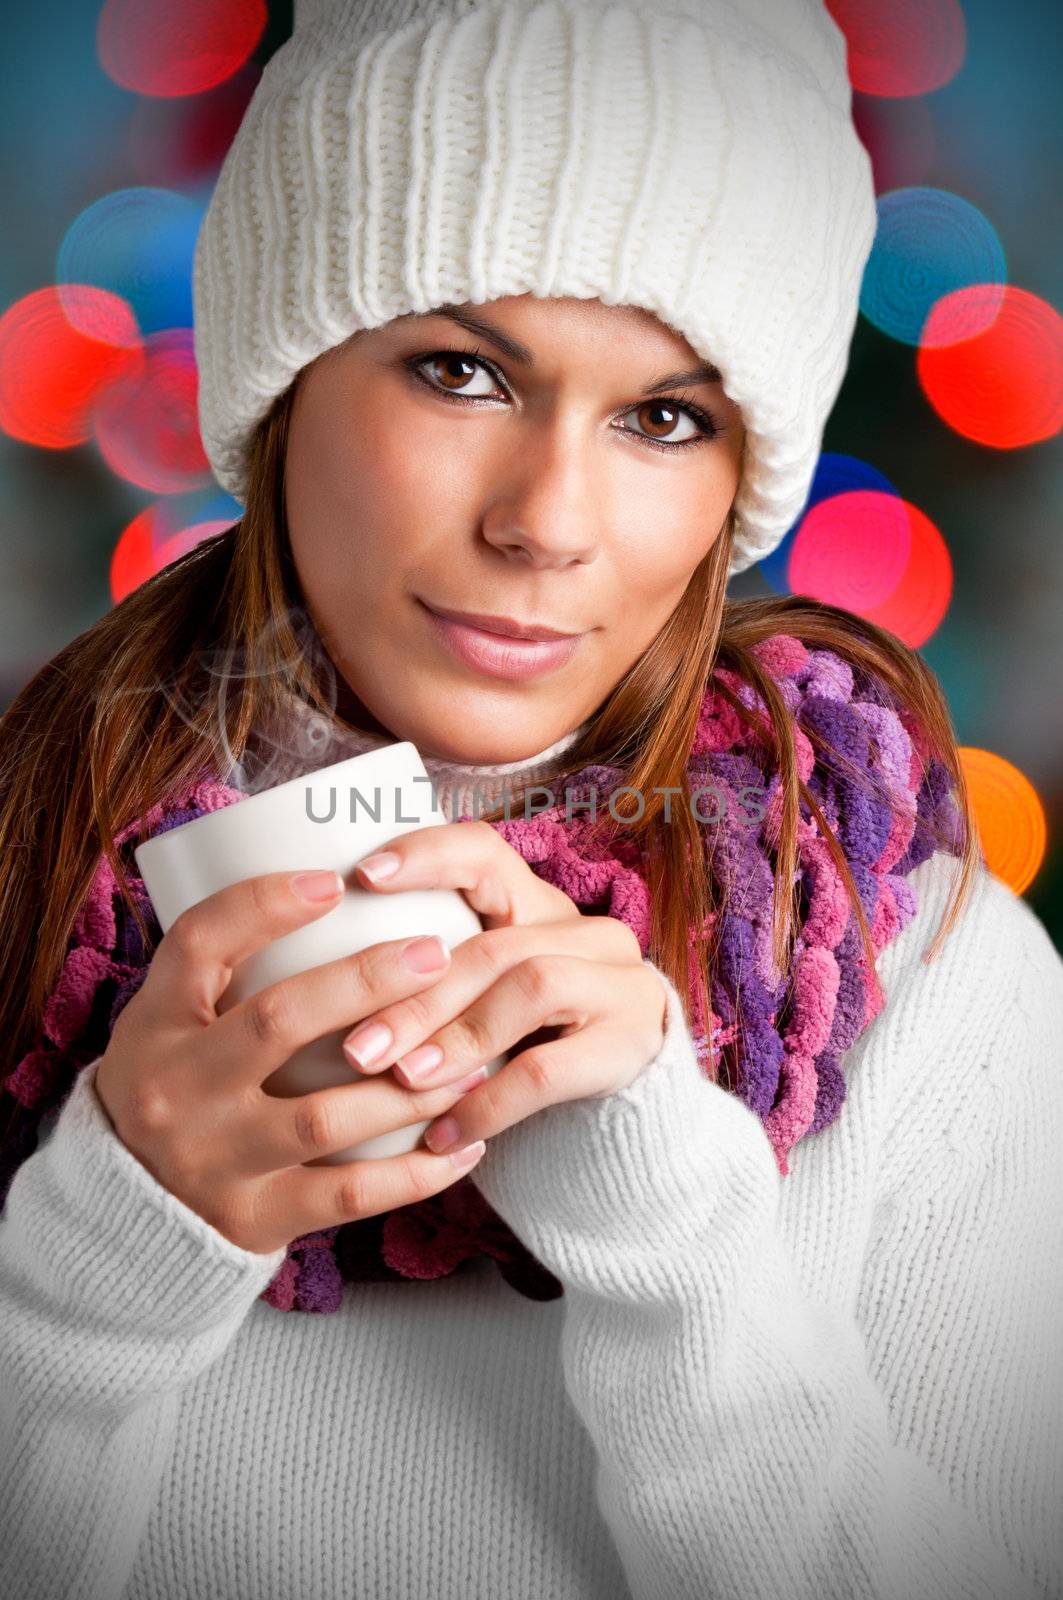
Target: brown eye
{"points": [[456, 368], [662, 429]]}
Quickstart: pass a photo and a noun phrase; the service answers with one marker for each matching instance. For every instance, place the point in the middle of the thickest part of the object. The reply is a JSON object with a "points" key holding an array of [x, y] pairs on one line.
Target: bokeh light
{"points": [[990, 362], [163, 532], [147, 425], [836, 473], [928, 243], [1011, 819], [176, 47], [58, 355], [917, 606], [901, 47], [835, 543], [852, 549], [139, 243]]}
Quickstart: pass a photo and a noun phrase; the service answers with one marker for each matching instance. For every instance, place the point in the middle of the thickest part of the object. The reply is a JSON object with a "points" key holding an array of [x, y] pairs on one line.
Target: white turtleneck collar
{"points": [[306, 740]]}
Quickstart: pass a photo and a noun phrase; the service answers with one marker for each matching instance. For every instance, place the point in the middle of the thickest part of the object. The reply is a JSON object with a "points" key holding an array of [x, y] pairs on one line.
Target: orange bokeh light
{"points": [[1010, 817]]}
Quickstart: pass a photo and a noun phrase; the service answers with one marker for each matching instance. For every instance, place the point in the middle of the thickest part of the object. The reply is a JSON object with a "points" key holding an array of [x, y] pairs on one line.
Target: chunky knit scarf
{"points": [[784, 1036]]}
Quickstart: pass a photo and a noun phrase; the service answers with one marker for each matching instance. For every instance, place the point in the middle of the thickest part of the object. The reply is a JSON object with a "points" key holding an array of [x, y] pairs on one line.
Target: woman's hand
{"points": [[184, 1087], [538, 964]]}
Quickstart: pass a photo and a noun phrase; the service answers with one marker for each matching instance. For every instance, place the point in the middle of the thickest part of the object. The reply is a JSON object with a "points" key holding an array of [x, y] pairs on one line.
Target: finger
{"points": [[477, 964], [475, 859], [303, 1200], [547, 992], [195, 958], [305, 1129], [266, 1029], [581, 1065]]}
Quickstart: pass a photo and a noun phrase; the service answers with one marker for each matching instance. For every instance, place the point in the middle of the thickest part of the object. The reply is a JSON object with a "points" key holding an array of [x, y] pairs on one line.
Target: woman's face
{"points": [[541, 481]]}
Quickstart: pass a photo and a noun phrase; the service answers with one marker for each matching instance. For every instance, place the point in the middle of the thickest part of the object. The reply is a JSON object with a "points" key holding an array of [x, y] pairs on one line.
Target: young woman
{"points": [[530, 315]]}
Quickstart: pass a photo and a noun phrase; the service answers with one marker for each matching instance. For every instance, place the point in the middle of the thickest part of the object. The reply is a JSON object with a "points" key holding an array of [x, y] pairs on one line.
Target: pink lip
{"points": [[499, 655]]}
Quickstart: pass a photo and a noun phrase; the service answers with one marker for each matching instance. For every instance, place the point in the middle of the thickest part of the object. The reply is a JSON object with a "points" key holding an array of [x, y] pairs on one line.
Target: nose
{"points": [[544, 512]]}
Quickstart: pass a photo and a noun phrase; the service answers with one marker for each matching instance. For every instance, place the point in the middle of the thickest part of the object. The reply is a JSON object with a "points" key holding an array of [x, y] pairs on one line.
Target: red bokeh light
{"points": [[176, 47], [851, 549], [150, 543], [147, 428], [886, 562], [60, 350], [901, 47], [990, 362], [917, 606]]}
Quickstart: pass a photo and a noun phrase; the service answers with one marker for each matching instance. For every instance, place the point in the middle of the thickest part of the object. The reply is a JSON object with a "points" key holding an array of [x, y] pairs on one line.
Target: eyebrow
{"points": [[704, 372]]}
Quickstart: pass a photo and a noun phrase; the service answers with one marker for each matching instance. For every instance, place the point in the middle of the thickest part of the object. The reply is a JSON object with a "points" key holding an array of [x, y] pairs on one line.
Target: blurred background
{"points": [[938, 501]]}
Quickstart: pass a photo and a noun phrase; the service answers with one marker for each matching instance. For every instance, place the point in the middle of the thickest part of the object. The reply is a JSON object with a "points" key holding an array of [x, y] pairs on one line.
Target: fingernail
{"points": [[442, 1134], [368, 1044], [463, 1159], [317, 886], [383, 865], [471, 1081], [419, 1062], [425, 955]]}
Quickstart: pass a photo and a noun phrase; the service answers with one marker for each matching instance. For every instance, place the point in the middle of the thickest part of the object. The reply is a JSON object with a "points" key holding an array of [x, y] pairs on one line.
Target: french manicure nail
{"points": [[463, 1159], [419, 1062], [442, 1134], [471, 1081], [426, 955], [317, 886], [368, 1044], [383, 865]]}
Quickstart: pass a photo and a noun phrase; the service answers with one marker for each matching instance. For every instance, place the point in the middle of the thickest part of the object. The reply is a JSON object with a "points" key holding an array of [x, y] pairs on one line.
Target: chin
{"points": [[473, 748], [482, 753], [450, 728]]}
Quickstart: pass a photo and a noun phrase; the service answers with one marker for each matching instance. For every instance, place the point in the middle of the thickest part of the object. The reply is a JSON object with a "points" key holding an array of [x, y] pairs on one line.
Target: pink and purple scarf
{"points": [[785, 1037]]}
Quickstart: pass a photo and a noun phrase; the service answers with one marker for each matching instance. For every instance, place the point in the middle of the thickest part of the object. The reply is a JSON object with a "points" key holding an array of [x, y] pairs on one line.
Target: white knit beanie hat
{"points": [[694, 157]]}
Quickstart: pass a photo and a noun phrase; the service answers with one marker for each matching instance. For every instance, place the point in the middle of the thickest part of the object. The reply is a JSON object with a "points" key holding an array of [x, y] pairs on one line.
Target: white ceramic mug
{"points": [[330, 818]]}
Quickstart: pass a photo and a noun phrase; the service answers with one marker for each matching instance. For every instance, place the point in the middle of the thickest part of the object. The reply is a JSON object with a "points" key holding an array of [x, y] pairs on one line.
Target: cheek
{"points": [[663, 520], [367, 514], [380, 473], [659, 551], [348, 488], [654, 551]]}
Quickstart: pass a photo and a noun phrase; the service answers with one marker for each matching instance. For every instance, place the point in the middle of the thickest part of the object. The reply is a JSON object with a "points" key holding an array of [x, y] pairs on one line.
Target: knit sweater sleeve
{"points": [[896, 1435], [113, 1295]]}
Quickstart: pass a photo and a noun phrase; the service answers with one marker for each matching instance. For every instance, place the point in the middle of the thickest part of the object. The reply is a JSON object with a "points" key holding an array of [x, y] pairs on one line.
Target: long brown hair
{"points": [[137, 706]]}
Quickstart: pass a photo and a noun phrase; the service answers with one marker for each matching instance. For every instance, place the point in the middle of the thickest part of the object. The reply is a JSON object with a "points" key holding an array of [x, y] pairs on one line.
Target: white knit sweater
{"points": [[847, 1382]]}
